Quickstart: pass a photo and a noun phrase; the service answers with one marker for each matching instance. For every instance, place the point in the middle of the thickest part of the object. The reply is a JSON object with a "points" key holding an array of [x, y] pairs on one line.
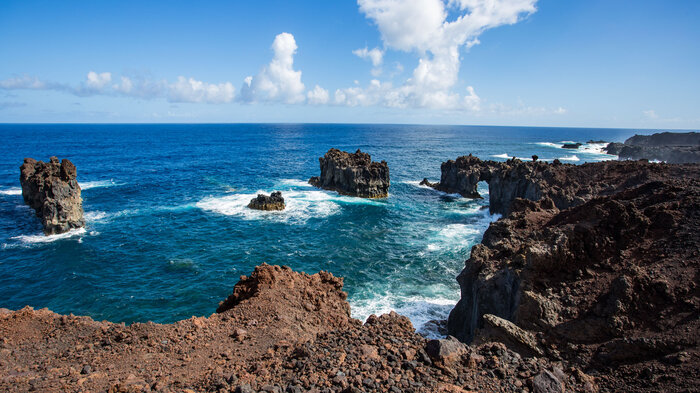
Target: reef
{"points": [[671, 147], [51, 189], [595, 265], [353, 174], [274, 201]]}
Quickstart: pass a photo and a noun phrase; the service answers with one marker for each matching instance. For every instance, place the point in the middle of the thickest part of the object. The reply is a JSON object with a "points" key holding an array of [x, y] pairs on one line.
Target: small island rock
{"points": [[263, 202], [51, 189], [353, 174]]}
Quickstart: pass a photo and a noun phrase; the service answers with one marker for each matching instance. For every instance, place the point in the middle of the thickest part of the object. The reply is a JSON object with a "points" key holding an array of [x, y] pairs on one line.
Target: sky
{"points": [[592, 63]]}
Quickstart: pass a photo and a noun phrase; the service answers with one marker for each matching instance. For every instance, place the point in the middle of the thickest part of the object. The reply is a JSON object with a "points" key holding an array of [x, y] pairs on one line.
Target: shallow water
{"points": [[168, 233]]}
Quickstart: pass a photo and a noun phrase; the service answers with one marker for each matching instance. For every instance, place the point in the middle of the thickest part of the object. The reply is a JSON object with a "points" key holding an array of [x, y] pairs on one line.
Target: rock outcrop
{"points": [[353, 174], [280, 331], [598, 267], [274, 201], [671, 147], [51, 189]]}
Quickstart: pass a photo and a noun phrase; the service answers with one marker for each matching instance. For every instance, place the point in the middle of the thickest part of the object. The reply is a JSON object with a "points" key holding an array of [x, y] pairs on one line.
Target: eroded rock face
{"points": [[353, 174], [51, 189], [601, 269], [274, 201], [671, 147]]}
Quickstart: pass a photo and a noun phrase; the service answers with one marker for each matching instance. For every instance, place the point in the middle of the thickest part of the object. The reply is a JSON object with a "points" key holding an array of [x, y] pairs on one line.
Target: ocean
{"points": [[168, 233]]}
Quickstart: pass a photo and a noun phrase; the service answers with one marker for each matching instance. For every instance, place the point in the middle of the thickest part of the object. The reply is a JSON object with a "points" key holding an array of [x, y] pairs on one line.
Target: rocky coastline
{"points": [[353, 174], [670, 147], [587, 283], [51, 189]]}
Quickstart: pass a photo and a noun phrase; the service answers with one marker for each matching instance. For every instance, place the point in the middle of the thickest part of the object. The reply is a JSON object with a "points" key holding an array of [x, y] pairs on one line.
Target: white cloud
{"points": [[650, 114], [192, 90], [375, 55], [23, 82], [97, 81], [317, 96], [278, 81], [422, 26]]}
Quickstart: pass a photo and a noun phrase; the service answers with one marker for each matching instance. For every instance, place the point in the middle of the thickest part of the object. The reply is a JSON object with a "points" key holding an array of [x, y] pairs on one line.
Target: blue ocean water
{"points": [[168, 233]]}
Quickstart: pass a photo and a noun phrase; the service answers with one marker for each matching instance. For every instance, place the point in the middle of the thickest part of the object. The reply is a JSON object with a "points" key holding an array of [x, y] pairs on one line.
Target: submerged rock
{"points": [[353, 174], [274, 201], [51, 189]]}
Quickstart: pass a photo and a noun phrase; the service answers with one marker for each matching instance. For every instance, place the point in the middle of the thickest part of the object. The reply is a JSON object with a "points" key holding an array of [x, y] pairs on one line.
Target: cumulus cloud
{"points": [[192, 90], [375, 55], [422, 27], [317, 96], [98, 81], [278, 81]]}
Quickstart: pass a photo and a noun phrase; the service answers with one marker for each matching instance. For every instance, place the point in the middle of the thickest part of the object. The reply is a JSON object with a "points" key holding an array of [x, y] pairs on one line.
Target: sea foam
{"points": [[37, 239], [11, 191]]}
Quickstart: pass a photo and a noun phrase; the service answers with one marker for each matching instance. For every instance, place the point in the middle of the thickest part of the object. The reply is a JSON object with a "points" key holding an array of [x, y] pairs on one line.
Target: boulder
{"points": [[353, 174], [274, 201], [506, 332], [51, 189]]}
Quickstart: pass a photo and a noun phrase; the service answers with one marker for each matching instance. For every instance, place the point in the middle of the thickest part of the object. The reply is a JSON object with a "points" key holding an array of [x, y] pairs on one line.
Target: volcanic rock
{"points": [[599, 264], [274, 201], [671, 147], [51, 189], [571, 145], [353, 174]]}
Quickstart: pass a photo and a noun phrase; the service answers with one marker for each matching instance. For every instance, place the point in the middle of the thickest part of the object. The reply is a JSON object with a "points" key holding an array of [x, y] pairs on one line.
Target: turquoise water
{"points": [[168, 233]]}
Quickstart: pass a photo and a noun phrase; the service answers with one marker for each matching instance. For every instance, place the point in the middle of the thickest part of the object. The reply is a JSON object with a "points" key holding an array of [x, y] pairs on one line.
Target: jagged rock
{"points": [[506, 332], [546, 382], [353, 174], [609, 252], [671, 147], [274, 201], [447, 350], [51, 189]]}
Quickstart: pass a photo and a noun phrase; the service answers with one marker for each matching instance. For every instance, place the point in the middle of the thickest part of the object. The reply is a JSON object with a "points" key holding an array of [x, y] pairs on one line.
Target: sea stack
{"points": [[274, 201], [51, 189], [353, 174]]}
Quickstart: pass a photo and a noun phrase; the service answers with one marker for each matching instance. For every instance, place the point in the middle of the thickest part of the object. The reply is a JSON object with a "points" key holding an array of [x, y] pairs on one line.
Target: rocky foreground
{"points": [[596, 265], [279, 331], [353, 174], [51, 189]]}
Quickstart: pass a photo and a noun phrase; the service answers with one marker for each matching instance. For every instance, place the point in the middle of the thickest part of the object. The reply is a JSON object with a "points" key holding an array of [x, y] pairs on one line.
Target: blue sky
{"points": [[631, 64]]}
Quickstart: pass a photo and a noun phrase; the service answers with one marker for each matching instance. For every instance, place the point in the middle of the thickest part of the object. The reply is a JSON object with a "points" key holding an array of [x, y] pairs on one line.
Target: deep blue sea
{"points": [[168, 232]]}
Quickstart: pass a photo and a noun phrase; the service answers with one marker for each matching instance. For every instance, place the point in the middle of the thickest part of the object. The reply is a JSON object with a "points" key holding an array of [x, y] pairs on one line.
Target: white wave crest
{"points": [[11, 191], [569, 158], [97, 184], [420, 309], [294, 183], [549, 144], [34, 239], [95, 216]]}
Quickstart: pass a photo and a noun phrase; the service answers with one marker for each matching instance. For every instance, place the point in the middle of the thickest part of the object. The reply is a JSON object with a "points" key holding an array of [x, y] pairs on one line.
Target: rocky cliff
{"points": [[353, 174], [596, 264], [671, 147], [51, 189]]}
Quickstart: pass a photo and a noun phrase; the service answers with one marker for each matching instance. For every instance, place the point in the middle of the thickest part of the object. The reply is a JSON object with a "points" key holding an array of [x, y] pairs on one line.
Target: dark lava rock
{"points": [[264, 202], [671, 147], [598, 263], [571, 145], [353, 174], [51, 189]]}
